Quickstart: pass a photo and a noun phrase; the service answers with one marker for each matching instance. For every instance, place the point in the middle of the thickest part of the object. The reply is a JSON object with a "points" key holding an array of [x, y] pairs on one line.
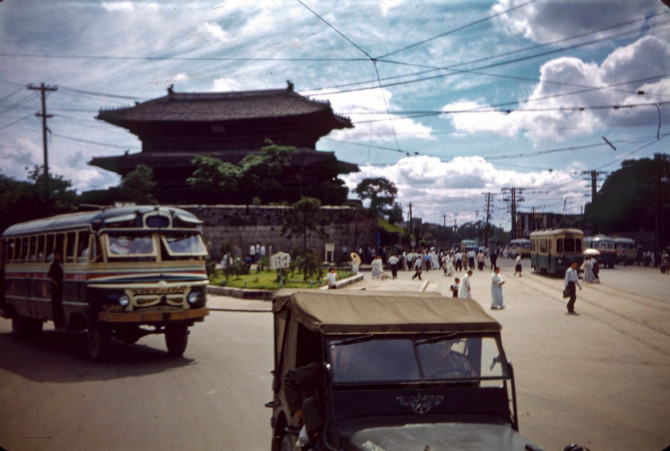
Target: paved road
{"points": [[599, 379]]}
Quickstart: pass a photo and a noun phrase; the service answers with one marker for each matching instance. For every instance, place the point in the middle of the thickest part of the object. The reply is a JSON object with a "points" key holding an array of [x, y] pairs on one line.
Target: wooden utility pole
{"points": [[513, 196], [43, 90]]}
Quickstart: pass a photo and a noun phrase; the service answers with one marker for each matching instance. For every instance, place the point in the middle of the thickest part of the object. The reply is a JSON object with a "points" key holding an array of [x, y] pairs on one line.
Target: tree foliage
{"points": [[137, 185], [634, 197], [26, 200], [256, 178], [305, 219], [381, 193]]}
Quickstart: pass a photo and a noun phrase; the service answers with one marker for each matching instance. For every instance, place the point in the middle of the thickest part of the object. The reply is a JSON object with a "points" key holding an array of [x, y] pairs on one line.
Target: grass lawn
{"points": [[268, 280]]}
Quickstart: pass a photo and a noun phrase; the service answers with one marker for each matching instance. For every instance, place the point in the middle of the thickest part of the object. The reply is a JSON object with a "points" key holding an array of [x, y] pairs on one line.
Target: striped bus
{"points": [[552, 251], [606, 246], [126, 272]]}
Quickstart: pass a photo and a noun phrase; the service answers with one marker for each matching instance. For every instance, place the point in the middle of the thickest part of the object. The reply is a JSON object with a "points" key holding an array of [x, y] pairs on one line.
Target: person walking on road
{"points": [[518, 267], [497, 302], [572, 280], [393, 263], [417, 268], [465, 289]]}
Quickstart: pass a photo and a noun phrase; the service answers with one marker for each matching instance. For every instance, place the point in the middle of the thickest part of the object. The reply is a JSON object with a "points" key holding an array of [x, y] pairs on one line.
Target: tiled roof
{"points": [[223, 106]]}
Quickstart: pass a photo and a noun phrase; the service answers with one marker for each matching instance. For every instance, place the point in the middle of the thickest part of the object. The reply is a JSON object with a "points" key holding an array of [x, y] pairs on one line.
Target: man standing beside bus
{"points": [[572, 279], [55, 275]]}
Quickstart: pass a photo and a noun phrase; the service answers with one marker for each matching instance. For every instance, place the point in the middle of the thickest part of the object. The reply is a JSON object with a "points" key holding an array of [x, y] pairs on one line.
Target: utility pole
{"points": [[594, 192], [513, 195], [488, 218], [43, 90]]}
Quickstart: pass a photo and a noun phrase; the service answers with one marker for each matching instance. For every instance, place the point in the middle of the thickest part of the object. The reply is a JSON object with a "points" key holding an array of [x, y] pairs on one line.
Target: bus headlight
{"points": [[193, 297], [124, 301]]}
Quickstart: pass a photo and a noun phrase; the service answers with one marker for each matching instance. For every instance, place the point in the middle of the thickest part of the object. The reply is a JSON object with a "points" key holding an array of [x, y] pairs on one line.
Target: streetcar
{"points": [[552, 251], [626, 250], [606, 246], [126, 272], [519, 246]]}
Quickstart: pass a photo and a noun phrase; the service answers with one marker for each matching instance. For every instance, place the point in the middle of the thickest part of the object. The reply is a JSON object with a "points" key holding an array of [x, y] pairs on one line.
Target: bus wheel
{"points": [[97, 338], [26, 328], [176, 339]]}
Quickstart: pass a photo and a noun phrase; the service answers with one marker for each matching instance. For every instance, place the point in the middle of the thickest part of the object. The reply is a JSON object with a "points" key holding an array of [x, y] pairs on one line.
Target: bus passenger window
{"points": [[40, 248], [83, 247], [559, 245], [70, 250]]}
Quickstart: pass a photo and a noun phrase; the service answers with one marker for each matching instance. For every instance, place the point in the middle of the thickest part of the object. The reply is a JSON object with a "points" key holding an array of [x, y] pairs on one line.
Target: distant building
{"points": [[230, 125]]}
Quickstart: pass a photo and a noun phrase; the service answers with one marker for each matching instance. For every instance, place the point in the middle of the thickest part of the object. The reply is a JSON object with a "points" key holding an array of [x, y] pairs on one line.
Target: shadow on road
{"points": [[63, 357]]}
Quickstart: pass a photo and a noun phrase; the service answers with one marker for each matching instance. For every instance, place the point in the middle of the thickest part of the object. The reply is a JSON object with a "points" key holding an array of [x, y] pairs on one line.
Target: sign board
{"points": [[280, 260]]}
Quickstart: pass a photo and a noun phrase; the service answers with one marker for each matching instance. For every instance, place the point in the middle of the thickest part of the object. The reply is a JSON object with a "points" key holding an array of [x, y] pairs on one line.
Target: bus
{"points": [[606, 246], [126, 272], [467, 245], [626, 250], [519, 246], [552, 251]]}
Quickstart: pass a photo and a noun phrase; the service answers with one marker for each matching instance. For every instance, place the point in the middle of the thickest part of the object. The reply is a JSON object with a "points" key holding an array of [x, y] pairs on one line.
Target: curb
{"points": [[266, 295]]}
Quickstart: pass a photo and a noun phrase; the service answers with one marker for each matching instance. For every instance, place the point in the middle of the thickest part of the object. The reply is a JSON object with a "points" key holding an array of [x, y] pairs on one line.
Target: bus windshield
{"points": [[178, 244], [122, 245]]}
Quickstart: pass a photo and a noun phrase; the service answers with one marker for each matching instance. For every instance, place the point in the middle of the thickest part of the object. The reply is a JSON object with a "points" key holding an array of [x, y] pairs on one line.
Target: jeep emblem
{"points": [[420, 403]]}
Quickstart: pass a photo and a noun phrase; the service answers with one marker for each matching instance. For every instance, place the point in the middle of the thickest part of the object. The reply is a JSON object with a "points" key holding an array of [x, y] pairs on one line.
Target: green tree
{"points": [[26, 200], [381, 193], [216, 178], [635, 197], [138, 184], [303, 220]]}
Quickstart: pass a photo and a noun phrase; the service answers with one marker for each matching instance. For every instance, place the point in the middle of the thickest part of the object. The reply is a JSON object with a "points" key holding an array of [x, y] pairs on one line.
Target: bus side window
{"points": [[49, 252], [70, 243], [83, 247], [559, 245], [25, 250], [40, 249]]}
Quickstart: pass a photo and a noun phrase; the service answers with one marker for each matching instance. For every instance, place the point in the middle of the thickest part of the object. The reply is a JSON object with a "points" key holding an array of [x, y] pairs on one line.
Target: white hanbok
{"points": [[377, 268], [464, 289], [588, 271], [496, 291]]}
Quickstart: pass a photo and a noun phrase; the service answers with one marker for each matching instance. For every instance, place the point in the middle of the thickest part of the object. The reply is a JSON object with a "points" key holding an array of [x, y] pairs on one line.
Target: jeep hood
{"points": [[440, 436]]}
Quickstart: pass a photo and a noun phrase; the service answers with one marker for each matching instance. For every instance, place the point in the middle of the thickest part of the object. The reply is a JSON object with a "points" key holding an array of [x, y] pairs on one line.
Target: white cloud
{"points": [[366, 110], [569, 83], [553, 20], [449, 188]]}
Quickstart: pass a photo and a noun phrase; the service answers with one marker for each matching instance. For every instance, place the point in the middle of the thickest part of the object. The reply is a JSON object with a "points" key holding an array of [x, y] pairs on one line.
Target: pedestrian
{"points": [[331, 278], [494, 259], [417, 268], [393, 264], [497, 282], [465, 289], [355, 262], [458, 263], [377, 267], [55, 275], [587, 267], [481, 259], [572, 280], [454, 287], [518, 267], [471, 259], [596, 269]]}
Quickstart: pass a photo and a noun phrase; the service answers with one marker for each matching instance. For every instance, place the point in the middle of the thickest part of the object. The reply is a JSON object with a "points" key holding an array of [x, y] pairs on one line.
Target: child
{"points": [[454, 287]]}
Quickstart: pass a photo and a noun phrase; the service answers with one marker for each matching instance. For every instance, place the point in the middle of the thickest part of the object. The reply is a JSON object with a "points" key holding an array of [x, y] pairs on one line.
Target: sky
{"points": [[450, 100]]}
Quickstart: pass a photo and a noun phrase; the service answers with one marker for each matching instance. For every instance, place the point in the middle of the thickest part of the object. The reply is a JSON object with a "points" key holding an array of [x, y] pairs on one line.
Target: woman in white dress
{"points": [[587, 266], [377, 267], [496, 290]]}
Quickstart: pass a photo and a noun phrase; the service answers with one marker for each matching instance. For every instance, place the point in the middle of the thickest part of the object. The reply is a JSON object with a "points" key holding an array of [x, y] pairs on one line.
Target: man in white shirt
{"points": [[572, 279], [331, 277]]}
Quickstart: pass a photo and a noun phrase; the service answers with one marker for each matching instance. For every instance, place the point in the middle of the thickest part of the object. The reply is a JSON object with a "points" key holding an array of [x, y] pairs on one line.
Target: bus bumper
{"points": [[154, 316]]}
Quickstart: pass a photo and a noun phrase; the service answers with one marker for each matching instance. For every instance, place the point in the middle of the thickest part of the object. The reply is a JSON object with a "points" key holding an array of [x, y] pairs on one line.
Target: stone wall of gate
{"points": [[348, 228]]}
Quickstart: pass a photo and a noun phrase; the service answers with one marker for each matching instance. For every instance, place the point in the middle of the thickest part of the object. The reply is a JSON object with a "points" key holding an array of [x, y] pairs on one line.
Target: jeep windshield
{"points": [[421, 359]]}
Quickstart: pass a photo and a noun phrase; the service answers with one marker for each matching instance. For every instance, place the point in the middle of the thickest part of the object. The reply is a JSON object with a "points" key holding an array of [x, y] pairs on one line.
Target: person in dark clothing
{"points": [[55, 275], [301, 386]]}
